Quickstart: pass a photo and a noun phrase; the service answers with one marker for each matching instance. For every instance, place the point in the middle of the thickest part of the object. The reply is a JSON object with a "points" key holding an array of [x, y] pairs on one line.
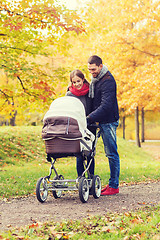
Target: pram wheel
{"points": [[41, 190], [58, 193], [96, 186], [83, 190]]}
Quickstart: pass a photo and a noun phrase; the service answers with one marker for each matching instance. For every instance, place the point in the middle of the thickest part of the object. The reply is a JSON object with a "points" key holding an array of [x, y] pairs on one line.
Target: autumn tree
{"points": [[32, 33], [126, 34]]}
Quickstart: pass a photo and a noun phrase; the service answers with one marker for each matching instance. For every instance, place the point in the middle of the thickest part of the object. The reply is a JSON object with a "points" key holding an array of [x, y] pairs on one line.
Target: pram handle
{"points": [[96, 125]]}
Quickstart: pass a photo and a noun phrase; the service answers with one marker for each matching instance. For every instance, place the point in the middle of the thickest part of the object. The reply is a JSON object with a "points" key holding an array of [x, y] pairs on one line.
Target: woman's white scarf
{"points": [[103, 71]]}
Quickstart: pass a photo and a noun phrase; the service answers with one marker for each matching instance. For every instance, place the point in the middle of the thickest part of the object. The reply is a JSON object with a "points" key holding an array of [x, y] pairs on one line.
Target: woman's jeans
{"points": [[108, 133], [80, 166]]}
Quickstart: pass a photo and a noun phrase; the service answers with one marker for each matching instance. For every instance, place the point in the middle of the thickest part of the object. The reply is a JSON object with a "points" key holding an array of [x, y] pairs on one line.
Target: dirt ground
{"points": [[24, 211]]}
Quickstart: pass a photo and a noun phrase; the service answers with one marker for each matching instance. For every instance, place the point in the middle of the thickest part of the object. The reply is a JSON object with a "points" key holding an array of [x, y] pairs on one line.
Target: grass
{"points": [[23, 161], [136, 164], [143, 224], [20, 144]]}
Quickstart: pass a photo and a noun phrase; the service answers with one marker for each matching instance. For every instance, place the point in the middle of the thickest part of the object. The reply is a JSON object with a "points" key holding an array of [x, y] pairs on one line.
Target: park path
{"points": [[25, 211]]}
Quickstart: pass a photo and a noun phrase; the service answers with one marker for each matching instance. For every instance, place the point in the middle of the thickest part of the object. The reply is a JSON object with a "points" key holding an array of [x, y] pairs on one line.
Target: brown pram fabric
{"points": [[64, 127], [61, 135]]}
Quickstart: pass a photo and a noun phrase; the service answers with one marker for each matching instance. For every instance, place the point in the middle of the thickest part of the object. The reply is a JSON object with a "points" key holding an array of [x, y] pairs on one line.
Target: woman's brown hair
{"points": [[78, 73]]}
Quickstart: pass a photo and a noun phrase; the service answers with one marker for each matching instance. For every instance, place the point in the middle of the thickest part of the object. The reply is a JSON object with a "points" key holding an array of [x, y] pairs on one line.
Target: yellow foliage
{"points": [[126, 34]]}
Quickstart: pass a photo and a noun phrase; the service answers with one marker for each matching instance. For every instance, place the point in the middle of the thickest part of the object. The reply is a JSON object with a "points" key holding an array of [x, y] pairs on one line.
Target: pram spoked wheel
{"points": [[83, 189], [42, 190], [96, 186], [58, 193]]}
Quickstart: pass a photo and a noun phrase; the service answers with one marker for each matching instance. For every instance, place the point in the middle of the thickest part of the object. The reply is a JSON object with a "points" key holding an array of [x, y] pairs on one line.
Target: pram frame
{"points": [[86, 186]]}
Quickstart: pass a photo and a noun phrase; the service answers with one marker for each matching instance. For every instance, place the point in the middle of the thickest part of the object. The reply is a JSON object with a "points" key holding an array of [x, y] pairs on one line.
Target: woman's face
{"points": [[77, 82]]}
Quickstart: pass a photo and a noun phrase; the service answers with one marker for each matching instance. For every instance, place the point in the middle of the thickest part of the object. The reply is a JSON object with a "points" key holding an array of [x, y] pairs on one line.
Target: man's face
{"points": [[94, 69]]}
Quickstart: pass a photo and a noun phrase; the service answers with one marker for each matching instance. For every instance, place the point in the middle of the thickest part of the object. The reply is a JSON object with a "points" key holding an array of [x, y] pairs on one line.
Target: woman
{"points": [[79, 88]]}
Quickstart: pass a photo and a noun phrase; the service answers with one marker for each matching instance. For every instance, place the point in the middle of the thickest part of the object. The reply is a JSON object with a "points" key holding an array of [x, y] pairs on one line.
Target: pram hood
{"points": [[68, 107]]}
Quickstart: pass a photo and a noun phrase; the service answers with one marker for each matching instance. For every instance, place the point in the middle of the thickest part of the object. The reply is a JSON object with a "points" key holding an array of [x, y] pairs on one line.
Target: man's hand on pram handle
{"points": [[90, 123]]}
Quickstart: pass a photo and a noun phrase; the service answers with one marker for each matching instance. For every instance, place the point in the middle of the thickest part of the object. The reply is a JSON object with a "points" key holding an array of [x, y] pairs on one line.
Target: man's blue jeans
{"points": [[108, 133]]}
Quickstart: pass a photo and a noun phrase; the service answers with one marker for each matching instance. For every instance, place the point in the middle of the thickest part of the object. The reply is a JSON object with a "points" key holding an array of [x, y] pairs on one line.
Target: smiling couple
{"points": [[100, 101]]}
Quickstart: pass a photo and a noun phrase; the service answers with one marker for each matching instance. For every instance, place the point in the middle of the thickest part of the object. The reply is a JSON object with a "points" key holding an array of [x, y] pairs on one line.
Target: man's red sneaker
{"points": [[104, 189], [110, 191]]}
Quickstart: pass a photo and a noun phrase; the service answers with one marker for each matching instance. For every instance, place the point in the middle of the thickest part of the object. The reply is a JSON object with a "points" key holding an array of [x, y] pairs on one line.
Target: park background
{"points": [[40, 44]]}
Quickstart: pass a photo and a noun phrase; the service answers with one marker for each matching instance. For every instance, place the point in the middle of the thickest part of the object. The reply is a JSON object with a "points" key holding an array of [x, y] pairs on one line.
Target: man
{"points": [[105, 111]]}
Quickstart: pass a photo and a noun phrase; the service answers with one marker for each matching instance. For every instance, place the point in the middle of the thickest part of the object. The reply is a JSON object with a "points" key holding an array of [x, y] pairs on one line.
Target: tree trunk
{"points": [[13, 119], [123, 127], [137, 127], [123, 124], [142, 125]]}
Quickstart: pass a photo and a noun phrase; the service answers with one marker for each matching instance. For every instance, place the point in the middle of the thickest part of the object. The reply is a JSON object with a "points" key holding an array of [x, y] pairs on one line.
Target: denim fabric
{"points": [[80, 166], [108, 133]]}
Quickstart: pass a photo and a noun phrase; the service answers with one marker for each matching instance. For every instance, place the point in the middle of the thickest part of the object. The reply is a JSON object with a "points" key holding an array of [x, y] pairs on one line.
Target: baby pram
{"points": [[65, 133]]}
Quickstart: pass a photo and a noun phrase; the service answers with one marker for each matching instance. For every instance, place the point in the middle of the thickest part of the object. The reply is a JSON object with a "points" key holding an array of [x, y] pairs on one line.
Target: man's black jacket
{"points": [[105, 106]]}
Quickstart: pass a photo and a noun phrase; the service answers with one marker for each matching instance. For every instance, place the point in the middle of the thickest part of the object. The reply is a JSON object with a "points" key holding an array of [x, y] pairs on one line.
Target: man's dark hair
{"points": [[95, 60]]}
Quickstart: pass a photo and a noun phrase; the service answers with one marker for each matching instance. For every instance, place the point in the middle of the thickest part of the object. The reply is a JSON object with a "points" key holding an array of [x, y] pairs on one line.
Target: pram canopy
{"points": [[66, 119], [68, 107]]}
